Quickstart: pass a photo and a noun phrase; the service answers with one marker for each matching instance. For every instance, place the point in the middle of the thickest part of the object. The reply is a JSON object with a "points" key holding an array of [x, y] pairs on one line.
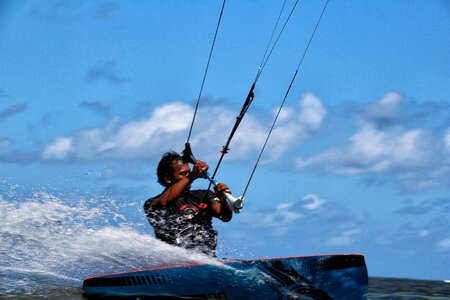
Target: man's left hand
{"points": [[220, 188]]}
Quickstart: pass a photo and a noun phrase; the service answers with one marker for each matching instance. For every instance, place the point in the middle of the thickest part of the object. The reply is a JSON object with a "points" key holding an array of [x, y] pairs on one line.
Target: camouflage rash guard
{"points": [[186, 222]]}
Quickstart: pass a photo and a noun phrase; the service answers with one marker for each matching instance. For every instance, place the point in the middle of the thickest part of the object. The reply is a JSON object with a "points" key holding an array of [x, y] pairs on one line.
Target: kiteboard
{"points": [[342, 276]]}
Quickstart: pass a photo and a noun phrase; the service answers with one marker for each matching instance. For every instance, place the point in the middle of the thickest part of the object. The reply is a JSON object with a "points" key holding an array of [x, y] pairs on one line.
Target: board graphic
{"points": [[309, 277]]}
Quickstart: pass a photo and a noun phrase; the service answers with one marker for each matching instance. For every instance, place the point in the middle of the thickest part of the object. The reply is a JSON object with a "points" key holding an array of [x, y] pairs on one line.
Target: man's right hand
{"points": [[199, 170]]}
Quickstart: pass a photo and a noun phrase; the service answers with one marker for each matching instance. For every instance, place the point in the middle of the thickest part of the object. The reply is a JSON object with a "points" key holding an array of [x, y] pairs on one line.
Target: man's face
{"points": [[181, 170]]}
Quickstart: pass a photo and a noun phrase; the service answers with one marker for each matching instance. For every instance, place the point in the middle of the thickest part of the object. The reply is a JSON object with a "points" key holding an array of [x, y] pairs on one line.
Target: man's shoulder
{"points": [[150, 201]]}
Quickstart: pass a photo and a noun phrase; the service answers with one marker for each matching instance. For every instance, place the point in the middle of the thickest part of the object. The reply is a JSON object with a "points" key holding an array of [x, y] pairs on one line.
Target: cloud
{"points": [[279, 220], [425, 207], [12, 110], [420, 231], [345, 238], [296, 124], [284, 216], [97, 107], [104, 70], [59, 149], [328, 221], [374, 150], [167, 127], [444, 245], [447, 141], [314, 202], [135, 140], [387, 109], [416, 157]]}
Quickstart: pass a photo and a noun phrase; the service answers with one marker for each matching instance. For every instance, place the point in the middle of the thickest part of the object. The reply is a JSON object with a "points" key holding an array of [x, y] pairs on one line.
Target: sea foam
{"points": [[49, 240]]}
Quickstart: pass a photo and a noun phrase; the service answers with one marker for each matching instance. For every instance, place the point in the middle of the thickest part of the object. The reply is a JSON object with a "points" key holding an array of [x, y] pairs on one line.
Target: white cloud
{"points": [[345, 238], [133, 140], [374, 150], [414, 155], [444, 245], [59, 149], [167, 128], [296, 124], [311, 215], [424, 233], [282, 215], [314, 201], [389, 107], [312, 111], [447, 140], [281, 219]]}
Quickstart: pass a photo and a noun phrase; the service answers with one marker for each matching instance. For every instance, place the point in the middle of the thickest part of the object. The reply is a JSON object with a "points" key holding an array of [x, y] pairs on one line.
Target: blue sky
{"points": [[93, 92]]}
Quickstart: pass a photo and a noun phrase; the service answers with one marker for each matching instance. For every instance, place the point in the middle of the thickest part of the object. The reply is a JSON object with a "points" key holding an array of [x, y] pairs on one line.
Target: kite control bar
{"points": [[235, 204]]}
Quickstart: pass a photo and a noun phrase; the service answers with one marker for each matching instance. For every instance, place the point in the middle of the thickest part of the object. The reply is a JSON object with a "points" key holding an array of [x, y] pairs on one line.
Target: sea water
{"points": [[49, 243]]}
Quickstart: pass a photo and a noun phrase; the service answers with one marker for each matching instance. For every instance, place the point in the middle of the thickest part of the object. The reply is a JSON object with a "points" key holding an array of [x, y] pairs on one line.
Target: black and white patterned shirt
{"points": [[185, 222]]}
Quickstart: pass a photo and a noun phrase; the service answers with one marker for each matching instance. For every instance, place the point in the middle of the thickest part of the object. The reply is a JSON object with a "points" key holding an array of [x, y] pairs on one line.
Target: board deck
{"points": [[342, 276]]}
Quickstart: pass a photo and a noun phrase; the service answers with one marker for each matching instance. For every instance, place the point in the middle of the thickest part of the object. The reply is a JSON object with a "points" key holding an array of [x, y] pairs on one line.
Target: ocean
{"points": [[49, 245], [379, 288], [396, 288]]}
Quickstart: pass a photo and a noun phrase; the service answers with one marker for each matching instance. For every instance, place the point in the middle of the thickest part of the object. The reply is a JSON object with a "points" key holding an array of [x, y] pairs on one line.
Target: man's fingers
{"points": [[201, 166], [223, 188]]}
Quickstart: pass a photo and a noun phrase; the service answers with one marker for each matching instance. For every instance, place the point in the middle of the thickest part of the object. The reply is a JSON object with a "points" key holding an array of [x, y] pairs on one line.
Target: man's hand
{"points": [[220, 188], [222, 209], [199, 170]]}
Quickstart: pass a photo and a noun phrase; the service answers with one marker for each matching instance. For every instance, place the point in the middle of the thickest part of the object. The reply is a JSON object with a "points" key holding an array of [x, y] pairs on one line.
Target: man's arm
{"points": [[221, 208], [174, 191]]}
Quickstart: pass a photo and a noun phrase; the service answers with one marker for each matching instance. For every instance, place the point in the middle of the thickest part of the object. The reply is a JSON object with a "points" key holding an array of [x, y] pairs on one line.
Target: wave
{"points": [[56, 241]]}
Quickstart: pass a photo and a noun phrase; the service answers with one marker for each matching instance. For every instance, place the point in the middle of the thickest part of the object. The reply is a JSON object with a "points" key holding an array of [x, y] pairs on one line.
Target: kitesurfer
{"points": [[181, 216]]}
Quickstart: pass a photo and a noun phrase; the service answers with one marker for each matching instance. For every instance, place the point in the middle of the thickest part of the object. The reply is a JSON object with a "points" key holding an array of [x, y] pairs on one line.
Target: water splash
{"points": [[56, 242]]}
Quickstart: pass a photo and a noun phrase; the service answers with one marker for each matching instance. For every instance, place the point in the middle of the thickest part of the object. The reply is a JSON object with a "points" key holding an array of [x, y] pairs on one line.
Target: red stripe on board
{"points": [[223, 262]]}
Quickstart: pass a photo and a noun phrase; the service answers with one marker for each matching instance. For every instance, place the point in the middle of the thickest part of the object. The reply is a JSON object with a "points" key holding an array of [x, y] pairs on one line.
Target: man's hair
{"points": [[165, 167]]}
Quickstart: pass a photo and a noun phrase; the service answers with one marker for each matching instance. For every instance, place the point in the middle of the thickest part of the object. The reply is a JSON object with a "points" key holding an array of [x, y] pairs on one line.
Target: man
{"points": [[183, 217]]}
